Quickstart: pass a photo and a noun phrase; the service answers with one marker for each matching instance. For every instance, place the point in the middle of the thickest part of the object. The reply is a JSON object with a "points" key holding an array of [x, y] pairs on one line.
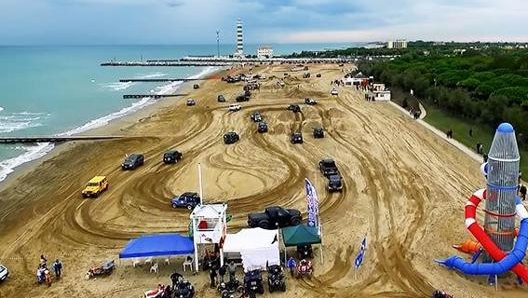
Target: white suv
{"points": [[234, 107], [3, 273]]}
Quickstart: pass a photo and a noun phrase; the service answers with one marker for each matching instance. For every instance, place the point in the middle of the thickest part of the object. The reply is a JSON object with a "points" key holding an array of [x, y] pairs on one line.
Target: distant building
{"points": [[264, 52], [397, 44], [239, 52]]}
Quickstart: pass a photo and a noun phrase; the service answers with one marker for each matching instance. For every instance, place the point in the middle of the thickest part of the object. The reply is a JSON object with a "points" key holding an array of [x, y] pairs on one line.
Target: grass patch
{"points": [[481, 134]]}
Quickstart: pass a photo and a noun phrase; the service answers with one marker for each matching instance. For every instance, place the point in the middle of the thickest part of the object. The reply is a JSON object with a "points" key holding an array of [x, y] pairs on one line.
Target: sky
{"points": [[109, 22]]}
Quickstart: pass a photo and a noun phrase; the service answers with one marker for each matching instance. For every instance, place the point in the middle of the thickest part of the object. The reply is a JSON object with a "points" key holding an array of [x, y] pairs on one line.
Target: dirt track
{"points": [[405, 188]]}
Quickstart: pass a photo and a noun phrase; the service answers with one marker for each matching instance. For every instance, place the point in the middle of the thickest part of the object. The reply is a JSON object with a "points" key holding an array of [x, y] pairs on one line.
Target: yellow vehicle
{"points": [[95, 187]]}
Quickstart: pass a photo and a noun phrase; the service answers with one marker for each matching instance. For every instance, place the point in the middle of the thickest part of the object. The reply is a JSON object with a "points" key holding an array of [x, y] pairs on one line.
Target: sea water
{"points": [[63, 90]]}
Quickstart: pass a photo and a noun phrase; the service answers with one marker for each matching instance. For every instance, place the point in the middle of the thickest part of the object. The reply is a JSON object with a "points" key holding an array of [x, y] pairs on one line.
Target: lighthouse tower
{"points": [[240, 40]]}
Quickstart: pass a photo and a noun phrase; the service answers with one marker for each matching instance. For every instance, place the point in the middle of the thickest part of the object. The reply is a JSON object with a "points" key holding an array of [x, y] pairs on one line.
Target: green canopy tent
{"points": [[301, 235]]}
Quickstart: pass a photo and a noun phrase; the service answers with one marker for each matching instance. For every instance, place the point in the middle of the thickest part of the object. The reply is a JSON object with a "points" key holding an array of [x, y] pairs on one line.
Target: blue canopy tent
{"points": [[154, 245]]}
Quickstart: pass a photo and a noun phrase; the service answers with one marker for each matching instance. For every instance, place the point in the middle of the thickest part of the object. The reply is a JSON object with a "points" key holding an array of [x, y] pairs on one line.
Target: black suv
{"points": [[294, 108], [318, 132], [187, 200], [335, 183], [262, 127], [256, 117], [133, 161], [231, 137], [221, 98], [296, 138], [172, 156]]}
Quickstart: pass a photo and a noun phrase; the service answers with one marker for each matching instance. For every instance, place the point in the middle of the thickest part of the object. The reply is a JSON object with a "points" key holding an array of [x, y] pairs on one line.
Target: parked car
{"points": [[335, 183], [296, 138], [310, 101], [318, 132], [172, 156], [95, 187], [4, 273], [262, 127], [133, 161], [231, 137], [234, 107], [242, 98], [334, 92], [256, 117], [294, 108], [187, 200], [274, 217], [328, 167], [221, 98], [191, 102]]}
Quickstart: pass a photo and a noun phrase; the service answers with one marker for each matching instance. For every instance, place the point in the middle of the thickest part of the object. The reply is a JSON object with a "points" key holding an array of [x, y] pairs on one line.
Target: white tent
{"points": [[256, 246]]}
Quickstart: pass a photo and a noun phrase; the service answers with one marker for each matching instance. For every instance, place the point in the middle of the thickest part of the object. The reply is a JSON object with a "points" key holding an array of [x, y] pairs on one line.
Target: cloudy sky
{"points": [[273, 21]]}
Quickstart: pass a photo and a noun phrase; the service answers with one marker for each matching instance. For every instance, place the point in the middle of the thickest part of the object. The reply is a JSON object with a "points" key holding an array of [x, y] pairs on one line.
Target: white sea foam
{"points": [[41, 149], [1, 109], [31, 153], [119, 86], [10, 122]]}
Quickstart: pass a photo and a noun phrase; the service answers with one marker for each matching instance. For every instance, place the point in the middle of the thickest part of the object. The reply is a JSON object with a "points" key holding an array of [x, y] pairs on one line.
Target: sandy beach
{"points": [[405, 188]]}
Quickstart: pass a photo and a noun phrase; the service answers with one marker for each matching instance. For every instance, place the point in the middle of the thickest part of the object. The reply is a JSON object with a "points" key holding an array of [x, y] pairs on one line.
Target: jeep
{"points": [[196, 86], [187, 200], [296, 138], [221, 98], [335, 183], [256, 117], [328, 167], [294, 108], [234, 107], [172, 156], [191, 102], [4, 273], [262, 127], [318, 132], [95, 187], [133, 161], [310, 101], [231, 137]]}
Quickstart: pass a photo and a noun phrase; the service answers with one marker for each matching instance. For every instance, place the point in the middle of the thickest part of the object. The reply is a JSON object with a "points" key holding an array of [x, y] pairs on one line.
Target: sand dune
{"points": [[405, 188]]}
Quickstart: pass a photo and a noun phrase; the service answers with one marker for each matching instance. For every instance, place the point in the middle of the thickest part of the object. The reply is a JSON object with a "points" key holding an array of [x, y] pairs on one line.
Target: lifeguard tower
{"points": [[209, 226]]}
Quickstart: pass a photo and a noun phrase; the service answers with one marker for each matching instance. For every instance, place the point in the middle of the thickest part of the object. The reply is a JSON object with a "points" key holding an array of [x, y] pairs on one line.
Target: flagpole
{"points": [[200, 182]]}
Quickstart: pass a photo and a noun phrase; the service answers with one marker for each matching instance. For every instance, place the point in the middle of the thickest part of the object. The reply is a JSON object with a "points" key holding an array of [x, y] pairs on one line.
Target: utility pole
{"points": [[218, 43]]}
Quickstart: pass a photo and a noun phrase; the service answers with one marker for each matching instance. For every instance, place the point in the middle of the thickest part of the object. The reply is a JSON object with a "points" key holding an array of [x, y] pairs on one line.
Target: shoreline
{"points": [[114, 126]]}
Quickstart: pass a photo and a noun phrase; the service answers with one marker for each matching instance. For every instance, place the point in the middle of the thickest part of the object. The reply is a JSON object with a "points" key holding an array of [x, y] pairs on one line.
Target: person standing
{"points": [[471, 132], [57, 267], [222, 272], [291, 265], [232, 270], [212, 276]]}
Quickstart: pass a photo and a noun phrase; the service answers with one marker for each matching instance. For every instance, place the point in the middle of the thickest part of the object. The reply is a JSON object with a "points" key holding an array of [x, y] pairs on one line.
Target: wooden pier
{"points": [[155, 96], [161, 63], [158, 80], [44, 139]]}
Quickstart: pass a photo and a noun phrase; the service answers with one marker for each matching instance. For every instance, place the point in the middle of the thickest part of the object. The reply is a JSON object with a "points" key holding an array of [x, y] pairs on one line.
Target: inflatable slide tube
{"points": [[505, 262]]}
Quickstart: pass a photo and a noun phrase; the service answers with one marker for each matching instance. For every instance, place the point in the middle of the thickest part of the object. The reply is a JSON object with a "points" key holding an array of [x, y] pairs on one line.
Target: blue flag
{"points": [[359, 258], [313, 204]]}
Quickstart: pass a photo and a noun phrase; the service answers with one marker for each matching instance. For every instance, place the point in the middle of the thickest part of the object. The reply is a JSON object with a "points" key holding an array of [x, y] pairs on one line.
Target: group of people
{"points": [[217, 273], [43, 271], [292, 264]]}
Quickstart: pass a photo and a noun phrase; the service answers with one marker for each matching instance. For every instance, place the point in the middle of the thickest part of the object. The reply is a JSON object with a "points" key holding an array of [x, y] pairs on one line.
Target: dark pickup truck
{"points": [[275, 217], [328, 167]]}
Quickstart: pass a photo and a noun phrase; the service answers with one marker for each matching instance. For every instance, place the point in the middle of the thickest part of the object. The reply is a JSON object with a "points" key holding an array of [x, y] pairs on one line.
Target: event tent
{"points": [[257, 247], [154, 245], [300, 235]]}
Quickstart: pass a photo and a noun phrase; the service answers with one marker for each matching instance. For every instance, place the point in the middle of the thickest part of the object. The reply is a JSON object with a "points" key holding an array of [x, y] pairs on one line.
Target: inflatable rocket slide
{"points": [[502, 205]]}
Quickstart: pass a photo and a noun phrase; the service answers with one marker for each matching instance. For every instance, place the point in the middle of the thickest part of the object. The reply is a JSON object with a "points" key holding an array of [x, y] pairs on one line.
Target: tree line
{"points": [[488, 85]]}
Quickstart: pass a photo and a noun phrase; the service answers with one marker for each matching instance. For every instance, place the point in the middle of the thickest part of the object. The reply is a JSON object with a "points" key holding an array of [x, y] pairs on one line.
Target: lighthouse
{"points": [[239, 52]]}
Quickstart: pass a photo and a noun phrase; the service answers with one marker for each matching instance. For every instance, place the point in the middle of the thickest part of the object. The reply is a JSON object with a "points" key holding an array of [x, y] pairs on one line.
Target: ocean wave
{"points": [[19, 121], [1, 109], [41, 149], [31, 153]]}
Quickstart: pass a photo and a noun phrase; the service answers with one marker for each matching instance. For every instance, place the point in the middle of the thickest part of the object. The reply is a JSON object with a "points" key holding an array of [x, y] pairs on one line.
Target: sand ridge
{"points": [[405, 188]]}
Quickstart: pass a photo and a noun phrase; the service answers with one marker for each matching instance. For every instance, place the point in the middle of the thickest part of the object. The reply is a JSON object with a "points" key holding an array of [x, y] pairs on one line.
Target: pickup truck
{"points": [[328, 167], [275, 217]]}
